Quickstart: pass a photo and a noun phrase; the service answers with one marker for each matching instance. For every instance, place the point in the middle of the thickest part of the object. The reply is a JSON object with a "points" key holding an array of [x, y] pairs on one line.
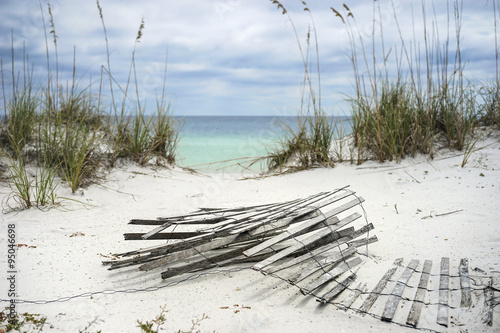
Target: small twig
{"points": [[412, 177], [443, 214]]}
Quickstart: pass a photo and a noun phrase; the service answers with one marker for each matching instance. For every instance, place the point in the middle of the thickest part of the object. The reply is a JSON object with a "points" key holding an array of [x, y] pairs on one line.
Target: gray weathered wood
{"points": [[347, 302], [488, 303], [316, 266], [304, 226], [363, 242], [162, 235], [372, 297], [318, 251], [331, 275], [444, 290], [312, 243], [316, 236], [340, 287], [418, 302], [397, 292], [214, 244], [329, 239], [335, 196], [463, 271], [204, 262]]}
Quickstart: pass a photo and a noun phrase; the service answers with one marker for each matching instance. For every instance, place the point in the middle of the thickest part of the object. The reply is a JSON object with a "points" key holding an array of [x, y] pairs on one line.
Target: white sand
{"points": [[56, 265]]}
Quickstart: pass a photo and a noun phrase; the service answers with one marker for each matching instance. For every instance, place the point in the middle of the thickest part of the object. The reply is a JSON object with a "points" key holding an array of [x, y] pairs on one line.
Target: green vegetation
{"points": [[154, 325], [34, 322], [405, 103], [417, 107], [310, 143], [65, 130]]}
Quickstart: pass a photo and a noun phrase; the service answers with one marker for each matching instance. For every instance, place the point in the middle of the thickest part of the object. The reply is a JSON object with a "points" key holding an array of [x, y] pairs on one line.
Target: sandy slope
{"points": [[66, 246]]}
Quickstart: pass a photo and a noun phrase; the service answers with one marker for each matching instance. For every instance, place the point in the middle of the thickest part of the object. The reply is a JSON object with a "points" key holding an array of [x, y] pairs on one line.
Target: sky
{"points": [[235, 57]]}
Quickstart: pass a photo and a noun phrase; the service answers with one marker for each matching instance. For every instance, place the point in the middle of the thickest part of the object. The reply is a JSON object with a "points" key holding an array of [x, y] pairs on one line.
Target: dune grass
{"points": [[404, 103], [66, 130], [310, 143]]}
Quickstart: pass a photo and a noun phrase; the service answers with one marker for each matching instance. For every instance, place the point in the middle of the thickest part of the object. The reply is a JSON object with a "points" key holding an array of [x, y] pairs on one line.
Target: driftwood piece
{"points": [[331, 275], [340, 287], [370, 300], [397, 292], [444, 290], [463, 271], [418, 302]]}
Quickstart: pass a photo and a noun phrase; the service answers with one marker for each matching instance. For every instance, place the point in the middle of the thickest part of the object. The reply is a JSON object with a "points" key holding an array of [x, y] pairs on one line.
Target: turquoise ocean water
{"points": [[211, 139]]}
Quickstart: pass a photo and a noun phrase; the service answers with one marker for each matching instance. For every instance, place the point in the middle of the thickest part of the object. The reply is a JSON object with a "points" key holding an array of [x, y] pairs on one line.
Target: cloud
{"points": [[234, 56]]}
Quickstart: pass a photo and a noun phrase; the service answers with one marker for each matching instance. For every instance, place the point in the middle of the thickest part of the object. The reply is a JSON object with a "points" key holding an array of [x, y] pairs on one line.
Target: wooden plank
{"points": [[315, 252], [214, 244], [321, 264], [347, 302], [418, 302], [488, 303], [463, 271], [444, 290], [372, 297], [205, 262], [340, 287], [286, 211], [331, 275], [304, 226], [310, 244], [162, 235], [317, 236], [363, 242], [397, 292]]}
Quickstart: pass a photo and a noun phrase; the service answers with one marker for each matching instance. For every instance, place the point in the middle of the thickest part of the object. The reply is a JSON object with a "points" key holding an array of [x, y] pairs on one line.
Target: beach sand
{"points": [[421, 208]]}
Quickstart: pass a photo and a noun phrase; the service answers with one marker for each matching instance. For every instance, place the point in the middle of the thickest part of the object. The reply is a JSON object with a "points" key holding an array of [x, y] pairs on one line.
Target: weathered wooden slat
{"points": [[340, 287], [310, 244], [288, 210], [328, 232], [331, 275], [444, 290], [418, 302], [397, 292], [310, 253], [488, 303], [295, 211], [204, 262], [363, 242], [320, 264], [214, 244], [463, 271], [304, 226], [347, 302], [370, 300], [115, 264], [162, 235]]}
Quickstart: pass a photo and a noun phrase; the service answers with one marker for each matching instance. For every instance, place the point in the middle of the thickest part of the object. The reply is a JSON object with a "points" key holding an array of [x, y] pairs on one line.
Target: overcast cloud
{"points": [[229, 57]]}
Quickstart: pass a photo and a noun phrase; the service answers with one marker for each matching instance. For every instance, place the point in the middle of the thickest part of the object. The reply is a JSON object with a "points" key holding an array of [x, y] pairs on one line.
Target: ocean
{"points": [[207, 140]]}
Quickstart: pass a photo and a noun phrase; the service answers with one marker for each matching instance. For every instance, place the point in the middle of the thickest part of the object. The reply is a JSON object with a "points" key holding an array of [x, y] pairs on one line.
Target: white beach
{"points": [[421, 208]]}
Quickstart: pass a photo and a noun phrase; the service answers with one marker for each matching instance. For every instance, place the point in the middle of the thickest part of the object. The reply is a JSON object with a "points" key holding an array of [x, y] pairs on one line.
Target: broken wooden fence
{"points": [[311, 233]]}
